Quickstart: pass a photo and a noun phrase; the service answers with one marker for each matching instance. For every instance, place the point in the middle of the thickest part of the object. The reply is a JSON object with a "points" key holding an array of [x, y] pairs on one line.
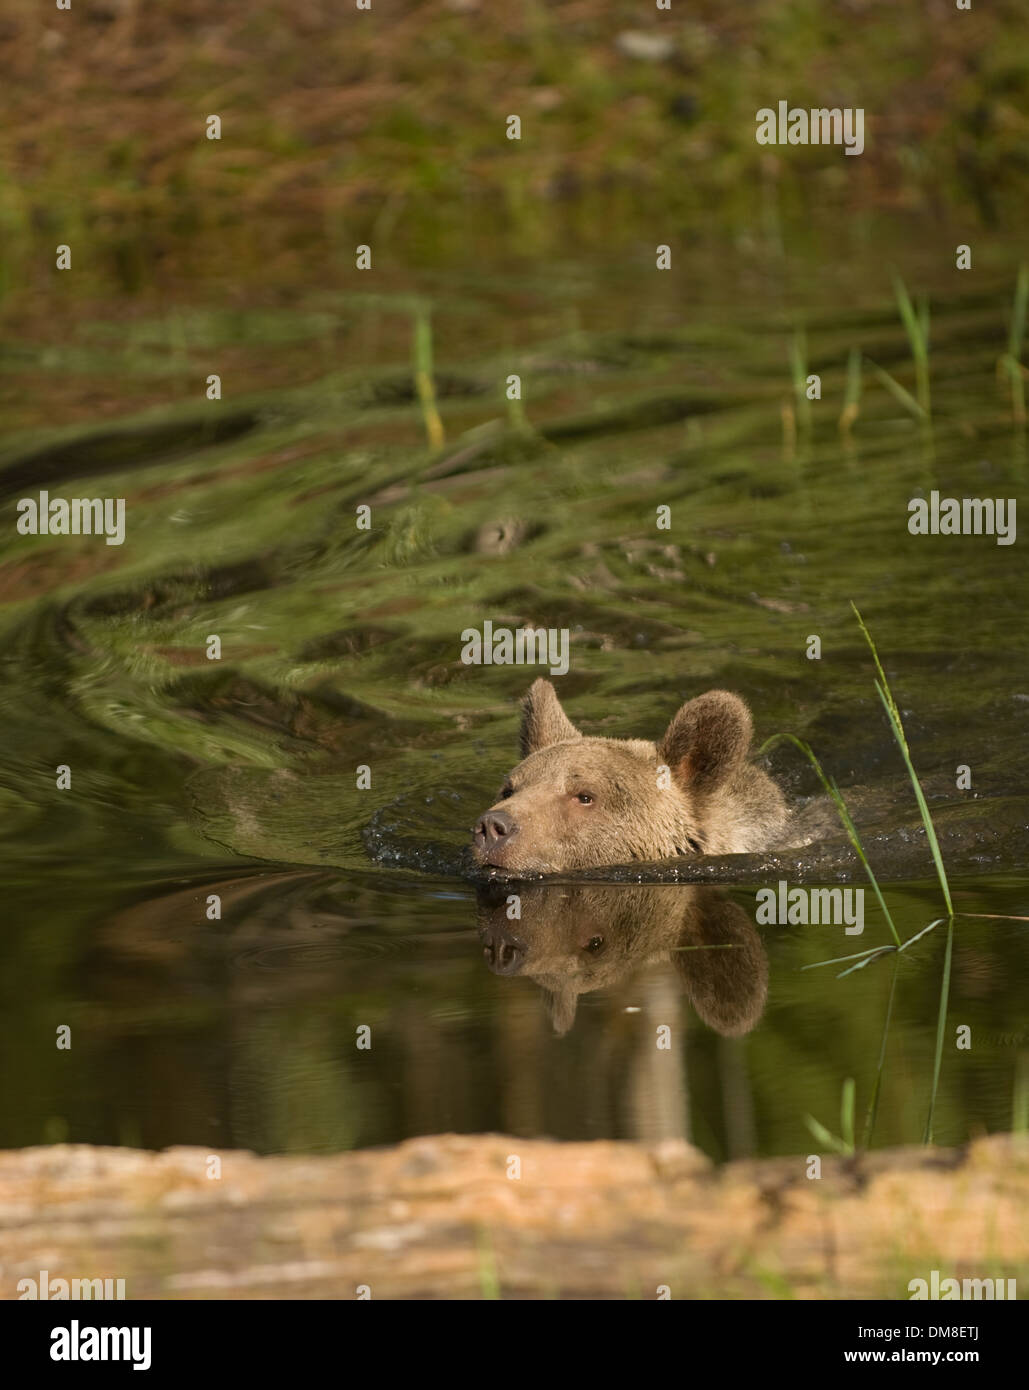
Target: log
{"points": [[486, 1216]]}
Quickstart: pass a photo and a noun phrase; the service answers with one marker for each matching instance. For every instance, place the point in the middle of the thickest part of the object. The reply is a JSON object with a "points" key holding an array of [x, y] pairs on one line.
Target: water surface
{"points": [[345, 908]]}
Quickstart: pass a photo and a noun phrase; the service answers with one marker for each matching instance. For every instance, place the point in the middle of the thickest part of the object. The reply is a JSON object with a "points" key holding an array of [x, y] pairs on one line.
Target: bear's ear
{"points": [[543, 720], [707, 740], [561, 1004], [727, 989]]}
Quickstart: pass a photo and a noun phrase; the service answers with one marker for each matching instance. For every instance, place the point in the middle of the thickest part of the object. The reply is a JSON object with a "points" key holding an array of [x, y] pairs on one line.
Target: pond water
{"points": [[345, 907]]}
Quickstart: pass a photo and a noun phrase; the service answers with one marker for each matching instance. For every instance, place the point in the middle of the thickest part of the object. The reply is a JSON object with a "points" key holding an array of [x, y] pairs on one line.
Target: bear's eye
{"points": [[585, 798], [594, 944], [505, 792]]}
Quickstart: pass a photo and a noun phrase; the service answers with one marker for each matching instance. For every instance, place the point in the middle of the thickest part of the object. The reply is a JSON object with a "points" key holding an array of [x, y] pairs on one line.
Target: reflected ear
{"points": [[561, 1004], [543, 720], [728, 988], [707, 740]]}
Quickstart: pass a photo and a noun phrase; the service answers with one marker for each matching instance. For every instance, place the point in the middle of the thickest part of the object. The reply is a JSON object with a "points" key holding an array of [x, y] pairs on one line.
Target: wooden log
{"points": [[443, 1217]]}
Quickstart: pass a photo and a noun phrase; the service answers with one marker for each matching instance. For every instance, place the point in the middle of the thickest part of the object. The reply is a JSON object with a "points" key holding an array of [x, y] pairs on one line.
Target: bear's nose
{"points": [[495, 827], [504, 954]]}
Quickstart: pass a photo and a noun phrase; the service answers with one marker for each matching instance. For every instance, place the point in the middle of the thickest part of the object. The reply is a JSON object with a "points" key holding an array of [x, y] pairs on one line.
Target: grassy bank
{"points": [[341, 126]]}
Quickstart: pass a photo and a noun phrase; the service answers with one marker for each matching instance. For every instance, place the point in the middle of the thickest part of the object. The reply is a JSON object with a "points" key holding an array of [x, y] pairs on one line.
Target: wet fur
{"points": [[716, 801]]}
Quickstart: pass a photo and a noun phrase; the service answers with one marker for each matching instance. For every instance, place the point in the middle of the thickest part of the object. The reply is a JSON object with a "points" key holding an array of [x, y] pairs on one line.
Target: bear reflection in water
{"points": [[572, 939]]}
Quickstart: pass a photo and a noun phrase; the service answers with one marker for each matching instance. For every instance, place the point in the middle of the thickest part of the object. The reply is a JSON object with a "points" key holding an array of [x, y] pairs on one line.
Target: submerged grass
{"points": [[941, 1023], [852, 397], [1010, 363], [899, 393], [916, 326], [424, 380], [517, 419], [799, 374], [1020, 1097], [842, 1143], [489, 1281], [917, 404], [873, 1104]]}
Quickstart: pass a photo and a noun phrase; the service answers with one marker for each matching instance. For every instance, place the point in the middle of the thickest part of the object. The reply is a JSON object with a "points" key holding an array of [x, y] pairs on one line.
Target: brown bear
{"points": [[572, 939], [576, 802]]}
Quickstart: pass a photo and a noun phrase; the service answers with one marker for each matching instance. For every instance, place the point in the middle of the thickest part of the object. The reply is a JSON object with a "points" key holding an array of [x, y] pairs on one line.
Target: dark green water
{"points": [[344, 908]]}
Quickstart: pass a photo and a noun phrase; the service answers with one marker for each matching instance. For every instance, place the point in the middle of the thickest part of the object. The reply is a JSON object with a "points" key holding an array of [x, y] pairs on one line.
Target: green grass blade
{"points": [[1020, 1099], [916, 325], [798, 374], [517, 420], [874, 952], [887, 950], [878, 664], [1015, 374], [893, 714], [941, 1023], [873, 1104], [909, 318], [844, 815], [1016, 331], [923, 325], [424, 380], [994, 916], [852, 393], [883, 951], [858, 955], [489, 1283], [905, 398], [924, 932], [923, 809], [847, 1113], [827, 1140], [798, 360]]}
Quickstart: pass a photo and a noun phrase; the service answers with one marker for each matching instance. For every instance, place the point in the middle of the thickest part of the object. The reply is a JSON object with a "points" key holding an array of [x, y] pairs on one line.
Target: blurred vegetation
{"points": [[342, 126]]}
